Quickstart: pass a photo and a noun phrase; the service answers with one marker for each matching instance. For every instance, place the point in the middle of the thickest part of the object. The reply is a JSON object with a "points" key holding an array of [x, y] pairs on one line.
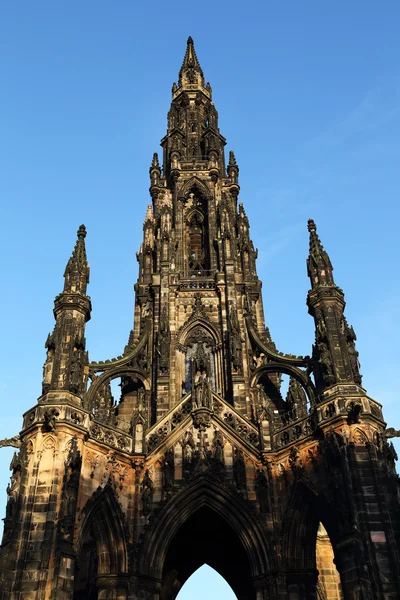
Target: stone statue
{"points": [[50, 420], [147, 493], [326, 363], [354, 363], [168, 470], [202, 391]]}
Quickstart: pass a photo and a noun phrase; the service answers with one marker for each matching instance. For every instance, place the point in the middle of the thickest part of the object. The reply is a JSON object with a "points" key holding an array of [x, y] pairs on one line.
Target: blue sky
{"points": [[308, 97]]}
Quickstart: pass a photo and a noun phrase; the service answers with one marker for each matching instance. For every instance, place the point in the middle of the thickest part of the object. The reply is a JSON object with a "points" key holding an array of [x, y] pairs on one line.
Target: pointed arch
{"points": [[103, 518], [109, 376], [188, 327], [301, 376], [204, 492], [305, 510], [194, 183]]}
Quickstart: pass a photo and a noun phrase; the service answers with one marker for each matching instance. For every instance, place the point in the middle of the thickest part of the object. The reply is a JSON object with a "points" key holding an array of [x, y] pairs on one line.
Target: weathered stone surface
{"points": [[201, 459]]}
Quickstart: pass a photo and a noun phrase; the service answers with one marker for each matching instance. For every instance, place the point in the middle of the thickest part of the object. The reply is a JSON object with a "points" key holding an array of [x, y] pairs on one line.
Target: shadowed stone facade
{"points": [[203, 458]]}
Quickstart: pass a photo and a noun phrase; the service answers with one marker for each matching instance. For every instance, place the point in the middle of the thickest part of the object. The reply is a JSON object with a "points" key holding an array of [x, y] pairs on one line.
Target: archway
{"points": [[206, 538], [205, 523], [102, 549], [206, 583]]}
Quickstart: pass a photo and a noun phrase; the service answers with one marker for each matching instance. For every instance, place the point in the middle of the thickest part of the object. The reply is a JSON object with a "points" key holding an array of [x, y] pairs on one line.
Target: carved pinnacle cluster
{"points": [[191, 71], [318, 264], [77, 270], [232, 159]]}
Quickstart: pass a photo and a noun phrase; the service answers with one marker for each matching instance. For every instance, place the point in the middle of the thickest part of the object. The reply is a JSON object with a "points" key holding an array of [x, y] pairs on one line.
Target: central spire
{"points": [[193, 135], [191, 75]]}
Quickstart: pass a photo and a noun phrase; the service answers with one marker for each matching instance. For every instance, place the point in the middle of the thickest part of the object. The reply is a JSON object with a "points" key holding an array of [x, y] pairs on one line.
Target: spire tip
{"points": [[311, 225], [81, 232]]}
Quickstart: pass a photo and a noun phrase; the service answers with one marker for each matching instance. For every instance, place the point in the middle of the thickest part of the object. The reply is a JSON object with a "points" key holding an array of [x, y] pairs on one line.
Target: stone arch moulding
{"points": [[300, 376], [185, 331], [304, 511], [202, 493], [114, 374], [104, 514], [194, 182]]}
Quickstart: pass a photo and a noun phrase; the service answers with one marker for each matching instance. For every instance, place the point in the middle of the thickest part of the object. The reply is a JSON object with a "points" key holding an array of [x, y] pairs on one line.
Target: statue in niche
{"points": [[326, 363], [262, 396], [146, 309], [75, 372], [218, 445], [235, 340], [141, 393], [188, 454], [50, 420], [168, 470], [202, 391], [354, 362], [239, 470], [164, 339], [147, 493]]}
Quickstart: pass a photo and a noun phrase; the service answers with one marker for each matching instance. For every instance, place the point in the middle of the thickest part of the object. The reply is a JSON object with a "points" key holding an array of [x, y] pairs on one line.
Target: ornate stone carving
{"points": [[146, 493]]}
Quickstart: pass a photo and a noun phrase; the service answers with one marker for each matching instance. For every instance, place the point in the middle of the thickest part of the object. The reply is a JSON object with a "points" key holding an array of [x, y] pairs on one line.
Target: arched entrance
{"points": [[206, 538], [205, 523]]}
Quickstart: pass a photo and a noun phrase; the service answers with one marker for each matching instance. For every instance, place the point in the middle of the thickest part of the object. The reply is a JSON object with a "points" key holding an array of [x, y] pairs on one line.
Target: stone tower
{"points": [[203, 457]]}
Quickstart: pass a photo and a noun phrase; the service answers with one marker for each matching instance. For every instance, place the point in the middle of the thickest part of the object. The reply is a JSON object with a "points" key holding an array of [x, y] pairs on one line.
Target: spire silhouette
{"points": [[77, 270], [191, 72], [319, 266]]}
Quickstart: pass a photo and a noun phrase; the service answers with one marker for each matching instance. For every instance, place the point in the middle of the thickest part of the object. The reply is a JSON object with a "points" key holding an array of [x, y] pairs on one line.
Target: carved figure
{"points": [[14, 441], [168, 470], [326, 363], [202, 392], [50, 420], [147, 493]]}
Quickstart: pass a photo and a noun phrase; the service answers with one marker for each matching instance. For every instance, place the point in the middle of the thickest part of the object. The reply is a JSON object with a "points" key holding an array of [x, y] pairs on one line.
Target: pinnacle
{"points": [[191, 72], [311, 225], [77, 265], [232, 159], [149, 213], [318, 255], [315, 243], [154, 162], [79, 253]]}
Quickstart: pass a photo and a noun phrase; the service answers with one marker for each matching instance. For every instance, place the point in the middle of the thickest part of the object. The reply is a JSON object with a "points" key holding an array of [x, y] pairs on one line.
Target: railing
{"points": [[196, 274]]}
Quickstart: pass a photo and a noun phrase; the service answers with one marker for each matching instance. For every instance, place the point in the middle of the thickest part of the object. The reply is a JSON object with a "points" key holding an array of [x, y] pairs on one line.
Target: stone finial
{"points": [[77, 271], [155, 163], [232, 159], [191, 72]]}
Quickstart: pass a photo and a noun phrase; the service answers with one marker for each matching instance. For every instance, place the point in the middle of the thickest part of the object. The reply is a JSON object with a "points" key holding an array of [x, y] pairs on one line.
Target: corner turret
{"points": [[335, 356], [64, 369]]}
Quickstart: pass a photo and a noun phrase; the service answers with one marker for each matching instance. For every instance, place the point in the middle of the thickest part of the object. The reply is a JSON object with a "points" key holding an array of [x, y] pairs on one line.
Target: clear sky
{"points": [[308, 97]]}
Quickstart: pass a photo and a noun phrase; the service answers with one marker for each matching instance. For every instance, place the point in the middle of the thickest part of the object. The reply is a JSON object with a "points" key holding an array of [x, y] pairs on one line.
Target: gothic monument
{"points": [[203, 458]]}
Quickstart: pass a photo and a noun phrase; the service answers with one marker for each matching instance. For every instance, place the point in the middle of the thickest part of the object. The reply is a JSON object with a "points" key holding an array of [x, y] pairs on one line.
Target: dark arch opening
{"points": [[206, 538]]}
